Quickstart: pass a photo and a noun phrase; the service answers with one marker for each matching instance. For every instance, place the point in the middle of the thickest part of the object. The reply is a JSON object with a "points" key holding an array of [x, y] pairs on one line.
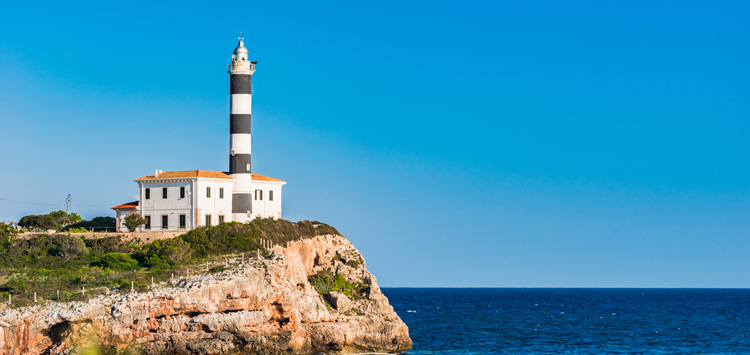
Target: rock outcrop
{"points": [[257, 306]]}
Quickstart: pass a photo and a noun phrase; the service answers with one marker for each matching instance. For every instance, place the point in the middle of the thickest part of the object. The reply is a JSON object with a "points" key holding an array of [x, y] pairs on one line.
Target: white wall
{"points": [[173, 206], [215, 205], [264, 207]]}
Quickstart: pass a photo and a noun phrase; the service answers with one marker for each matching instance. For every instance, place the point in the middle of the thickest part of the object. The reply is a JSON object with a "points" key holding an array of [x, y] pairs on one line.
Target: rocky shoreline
{"points": [[263, 305]]}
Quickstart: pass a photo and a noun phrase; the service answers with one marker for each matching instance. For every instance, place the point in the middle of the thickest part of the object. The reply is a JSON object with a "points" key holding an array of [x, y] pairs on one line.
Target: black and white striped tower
{"points": [[240, 73]]}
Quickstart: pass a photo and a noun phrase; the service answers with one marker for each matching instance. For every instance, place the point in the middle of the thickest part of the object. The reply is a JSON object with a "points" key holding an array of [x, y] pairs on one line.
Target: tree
{"points": [[74, 218], [7, 232], [60, 217], [38, 221], [133, 220], [8, 229]]}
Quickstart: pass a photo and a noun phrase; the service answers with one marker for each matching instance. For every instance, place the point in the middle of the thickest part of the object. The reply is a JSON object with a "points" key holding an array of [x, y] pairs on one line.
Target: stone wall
{"points": [[141, 236]]}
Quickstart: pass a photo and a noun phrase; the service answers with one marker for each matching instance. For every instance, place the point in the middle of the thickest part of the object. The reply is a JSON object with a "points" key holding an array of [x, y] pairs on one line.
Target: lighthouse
{"points": [[240, 102], [183, 200]]}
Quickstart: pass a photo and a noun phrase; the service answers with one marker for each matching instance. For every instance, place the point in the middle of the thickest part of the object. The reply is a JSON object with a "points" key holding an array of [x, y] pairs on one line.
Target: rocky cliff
{"points": [[264, 305]]}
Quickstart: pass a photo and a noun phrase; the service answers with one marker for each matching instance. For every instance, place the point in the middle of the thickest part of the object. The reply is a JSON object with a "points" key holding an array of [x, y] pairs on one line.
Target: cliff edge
{"points": [[313, 295]]}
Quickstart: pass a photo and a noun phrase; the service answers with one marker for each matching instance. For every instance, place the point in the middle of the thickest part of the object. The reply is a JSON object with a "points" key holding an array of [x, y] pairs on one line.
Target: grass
{"points": [[48, 264]]}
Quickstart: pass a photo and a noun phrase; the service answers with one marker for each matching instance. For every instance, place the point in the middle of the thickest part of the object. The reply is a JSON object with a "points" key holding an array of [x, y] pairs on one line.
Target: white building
{"points": [[184, 200]]}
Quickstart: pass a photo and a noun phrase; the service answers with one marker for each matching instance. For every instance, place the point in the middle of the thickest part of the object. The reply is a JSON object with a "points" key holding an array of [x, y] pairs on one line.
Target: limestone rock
{"points": [[340, 301]]}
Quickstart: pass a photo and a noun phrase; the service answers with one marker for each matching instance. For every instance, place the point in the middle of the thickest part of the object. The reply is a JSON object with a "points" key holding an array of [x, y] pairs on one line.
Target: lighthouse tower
{"points": [[240, 73]]}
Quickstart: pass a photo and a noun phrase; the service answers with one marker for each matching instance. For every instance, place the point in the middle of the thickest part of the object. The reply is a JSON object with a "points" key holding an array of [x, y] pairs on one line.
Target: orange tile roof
{"points": [[202, 174], [186, 174], [258, 177], [124, 206]]}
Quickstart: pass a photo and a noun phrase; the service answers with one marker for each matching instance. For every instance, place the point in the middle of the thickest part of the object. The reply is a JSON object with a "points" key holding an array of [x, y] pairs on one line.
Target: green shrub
{"points": [[39, 273], [14, 286], [325, 281], [92, 275], [116, 261], [153, 261], [71, 246], [237, 237], [173, 251], [111, 244]]}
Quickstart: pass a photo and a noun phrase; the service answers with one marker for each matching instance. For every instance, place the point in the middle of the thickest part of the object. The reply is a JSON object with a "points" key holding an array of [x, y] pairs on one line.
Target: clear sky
{"points": [[508, 143]]}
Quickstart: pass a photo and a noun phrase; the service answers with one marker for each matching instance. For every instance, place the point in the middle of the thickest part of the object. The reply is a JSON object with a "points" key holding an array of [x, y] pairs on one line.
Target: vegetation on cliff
{"points": [[326, 281], [78, 268]]}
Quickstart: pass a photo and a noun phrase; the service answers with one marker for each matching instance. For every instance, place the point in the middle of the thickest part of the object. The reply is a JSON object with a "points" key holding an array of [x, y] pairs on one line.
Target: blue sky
{"points": [[555, 144]]}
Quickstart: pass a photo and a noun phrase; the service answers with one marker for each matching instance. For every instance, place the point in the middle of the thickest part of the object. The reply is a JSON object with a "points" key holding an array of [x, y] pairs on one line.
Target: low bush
{"points": [[14, 286], [70, 246], [116, 261], [172, 251], [325, 282]]}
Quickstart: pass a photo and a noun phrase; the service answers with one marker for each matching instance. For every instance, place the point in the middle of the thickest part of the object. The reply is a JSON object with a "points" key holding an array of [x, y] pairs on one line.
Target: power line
{"points": [[3, 199]]}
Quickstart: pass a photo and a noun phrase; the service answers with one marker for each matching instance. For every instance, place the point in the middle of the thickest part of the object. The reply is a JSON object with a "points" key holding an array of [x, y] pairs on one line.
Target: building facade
{"points": [[184, 200]]}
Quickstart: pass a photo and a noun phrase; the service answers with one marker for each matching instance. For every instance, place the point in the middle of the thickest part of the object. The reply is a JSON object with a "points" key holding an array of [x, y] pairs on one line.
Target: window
{"points": [[221, 218], [164, 193], [182, 191], [258, 194], [183, 221], [164, 221], [147, 226], [247, 167], [208, 219], [221, 192], [208, 192], [148, 193], [270, 195]]}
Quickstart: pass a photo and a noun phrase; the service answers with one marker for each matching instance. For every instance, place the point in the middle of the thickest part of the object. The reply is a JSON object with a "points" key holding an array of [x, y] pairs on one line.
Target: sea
{"points": [[463, 321]]}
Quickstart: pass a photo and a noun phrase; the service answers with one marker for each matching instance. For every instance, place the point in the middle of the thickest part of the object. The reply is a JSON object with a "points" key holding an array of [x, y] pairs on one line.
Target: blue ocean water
{"points": [[574, 321]]}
